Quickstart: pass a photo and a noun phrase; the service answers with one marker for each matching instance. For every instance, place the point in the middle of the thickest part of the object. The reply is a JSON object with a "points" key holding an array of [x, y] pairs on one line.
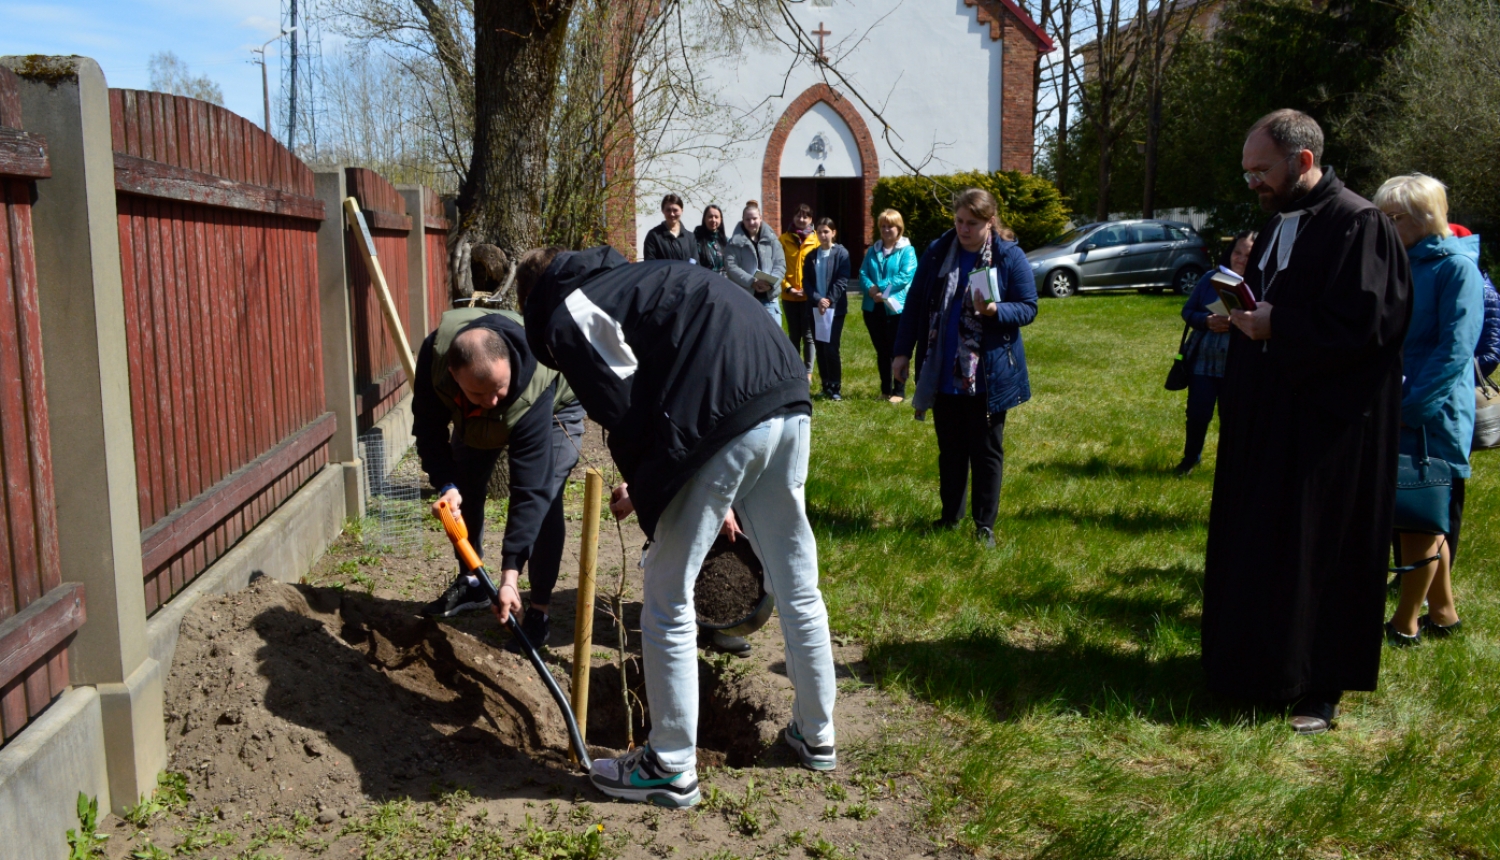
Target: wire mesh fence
{"points": [[396, 520]]}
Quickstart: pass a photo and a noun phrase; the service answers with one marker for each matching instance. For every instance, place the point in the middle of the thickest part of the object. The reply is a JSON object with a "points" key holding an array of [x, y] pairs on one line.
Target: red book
{"points": [[1232, 290]]}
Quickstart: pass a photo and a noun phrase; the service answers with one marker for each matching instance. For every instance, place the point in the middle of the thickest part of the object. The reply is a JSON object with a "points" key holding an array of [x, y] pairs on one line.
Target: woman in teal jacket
{"points": [[1437, 393], [887, 271]]}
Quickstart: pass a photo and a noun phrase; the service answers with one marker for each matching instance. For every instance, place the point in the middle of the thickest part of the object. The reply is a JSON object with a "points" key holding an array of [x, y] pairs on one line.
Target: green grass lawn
{"points": [[1065, 662]]}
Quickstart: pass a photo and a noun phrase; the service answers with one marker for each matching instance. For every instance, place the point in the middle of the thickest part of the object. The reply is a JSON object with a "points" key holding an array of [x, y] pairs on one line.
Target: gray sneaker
{"points": [[638, 776], [813, 758]]}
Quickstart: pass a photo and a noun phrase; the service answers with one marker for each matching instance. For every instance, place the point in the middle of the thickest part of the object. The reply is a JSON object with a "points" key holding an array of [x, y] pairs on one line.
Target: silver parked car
{"points": [[1114, 255]]}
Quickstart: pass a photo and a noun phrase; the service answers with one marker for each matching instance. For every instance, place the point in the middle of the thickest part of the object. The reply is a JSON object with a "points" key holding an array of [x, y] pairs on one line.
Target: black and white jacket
{"points": [[672, 359]]}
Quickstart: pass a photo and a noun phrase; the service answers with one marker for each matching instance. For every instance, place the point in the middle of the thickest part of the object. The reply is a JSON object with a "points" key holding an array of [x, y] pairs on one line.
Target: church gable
{"points": [[993, 12]]}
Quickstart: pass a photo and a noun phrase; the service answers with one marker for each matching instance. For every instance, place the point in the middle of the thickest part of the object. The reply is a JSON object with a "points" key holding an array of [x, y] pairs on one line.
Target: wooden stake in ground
{"points": [[583, 625], [356, 221]]}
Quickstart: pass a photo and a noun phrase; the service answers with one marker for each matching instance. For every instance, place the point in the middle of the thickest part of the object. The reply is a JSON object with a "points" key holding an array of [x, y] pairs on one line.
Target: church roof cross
{"points": [[820, 33]]}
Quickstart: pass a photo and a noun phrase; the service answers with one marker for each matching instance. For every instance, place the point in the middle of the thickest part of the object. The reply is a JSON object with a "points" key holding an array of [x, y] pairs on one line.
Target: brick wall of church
{"points": [[1017, 117]]}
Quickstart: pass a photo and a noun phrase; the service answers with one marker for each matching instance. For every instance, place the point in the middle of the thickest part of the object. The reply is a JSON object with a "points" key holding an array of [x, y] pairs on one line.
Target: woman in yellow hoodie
{"points": [[798, 242]]}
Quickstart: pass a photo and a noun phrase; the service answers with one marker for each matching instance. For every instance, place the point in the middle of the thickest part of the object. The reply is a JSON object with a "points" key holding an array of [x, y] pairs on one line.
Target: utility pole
{"points": [[265, 87], [291, 112]]}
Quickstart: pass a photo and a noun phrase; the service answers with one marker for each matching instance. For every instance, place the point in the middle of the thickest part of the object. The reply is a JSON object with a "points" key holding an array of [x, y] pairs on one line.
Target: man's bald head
{"points": [[480, 363]]}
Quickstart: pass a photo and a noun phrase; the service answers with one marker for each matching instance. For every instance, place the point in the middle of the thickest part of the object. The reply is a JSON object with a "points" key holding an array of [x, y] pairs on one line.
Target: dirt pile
{"points": [[302, 697], [730, 584]]}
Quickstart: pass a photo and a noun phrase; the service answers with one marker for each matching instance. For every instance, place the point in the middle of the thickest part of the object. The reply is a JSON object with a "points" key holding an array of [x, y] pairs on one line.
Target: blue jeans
{"points": [[761, 473], [774, 311]]}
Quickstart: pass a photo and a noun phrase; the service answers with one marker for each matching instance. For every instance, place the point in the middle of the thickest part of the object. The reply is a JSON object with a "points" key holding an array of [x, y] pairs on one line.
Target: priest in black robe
{"points": [[1305, 482]]}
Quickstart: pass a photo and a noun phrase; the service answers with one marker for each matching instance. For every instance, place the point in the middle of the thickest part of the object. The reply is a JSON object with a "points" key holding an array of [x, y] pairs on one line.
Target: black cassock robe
{"points": [[1305, 481]]}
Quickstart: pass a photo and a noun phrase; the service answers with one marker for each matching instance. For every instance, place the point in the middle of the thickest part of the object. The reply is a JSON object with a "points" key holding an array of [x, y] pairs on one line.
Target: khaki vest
{"points": [[491, 427]]}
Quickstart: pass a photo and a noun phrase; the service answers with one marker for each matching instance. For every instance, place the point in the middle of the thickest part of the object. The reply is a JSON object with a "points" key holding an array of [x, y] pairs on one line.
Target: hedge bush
{"points": [[1029, 205]]}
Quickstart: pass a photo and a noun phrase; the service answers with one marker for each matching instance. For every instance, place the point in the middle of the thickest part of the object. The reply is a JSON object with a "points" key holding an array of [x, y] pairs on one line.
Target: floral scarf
{"points": [[969, 355]]}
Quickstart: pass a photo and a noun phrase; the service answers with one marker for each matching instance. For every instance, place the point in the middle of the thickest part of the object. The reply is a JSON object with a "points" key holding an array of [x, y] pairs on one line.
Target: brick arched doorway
{"points": [[857, 234]]}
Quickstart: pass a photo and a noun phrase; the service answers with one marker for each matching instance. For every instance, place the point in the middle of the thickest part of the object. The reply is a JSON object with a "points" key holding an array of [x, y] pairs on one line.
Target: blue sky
{"points": [[213, 37]]}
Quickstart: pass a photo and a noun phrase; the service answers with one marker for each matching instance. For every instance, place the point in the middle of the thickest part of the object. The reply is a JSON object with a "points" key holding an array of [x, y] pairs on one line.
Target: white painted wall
{"points": [[928, 66], [821, 140]]}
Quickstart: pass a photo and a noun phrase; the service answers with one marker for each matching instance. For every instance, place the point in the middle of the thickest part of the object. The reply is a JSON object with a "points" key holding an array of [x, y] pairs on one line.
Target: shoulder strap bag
{"points": [[1424, 489], [1486, 412], [1182, 366]]}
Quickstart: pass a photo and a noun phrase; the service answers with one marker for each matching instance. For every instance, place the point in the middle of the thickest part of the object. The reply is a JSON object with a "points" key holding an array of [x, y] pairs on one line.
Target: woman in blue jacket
{"points": [[1437, 393], [973, 367], [883, 279], [825, 276], [1208, 346]]}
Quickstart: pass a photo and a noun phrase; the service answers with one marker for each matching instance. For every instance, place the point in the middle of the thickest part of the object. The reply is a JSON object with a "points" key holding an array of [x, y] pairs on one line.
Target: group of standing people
{"points": [[802, 279], [971, 346]]}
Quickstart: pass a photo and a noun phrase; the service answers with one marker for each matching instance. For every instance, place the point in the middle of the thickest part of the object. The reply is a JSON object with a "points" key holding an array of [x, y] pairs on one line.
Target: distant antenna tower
{"points": [[301, 76]]}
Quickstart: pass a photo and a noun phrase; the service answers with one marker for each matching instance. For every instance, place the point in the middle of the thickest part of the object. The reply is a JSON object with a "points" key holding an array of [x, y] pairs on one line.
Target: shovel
{"points": [[459, 534]]}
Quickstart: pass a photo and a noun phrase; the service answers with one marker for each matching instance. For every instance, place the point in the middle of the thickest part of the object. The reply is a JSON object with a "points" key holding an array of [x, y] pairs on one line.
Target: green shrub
{"points": [[1029, 205]]}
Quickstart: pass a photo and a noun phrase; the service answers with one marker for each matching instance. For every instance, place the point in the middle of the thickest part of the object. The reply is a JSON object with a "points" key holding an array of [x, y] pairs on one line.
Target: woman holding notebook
{"points": [[972, 293], [825, 276], [1208, 346]]}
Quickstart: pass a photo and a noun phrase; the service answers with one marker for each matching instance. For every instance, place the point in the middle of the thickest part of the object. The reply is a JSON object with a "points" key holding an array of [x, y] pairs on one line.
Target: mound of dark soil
{"points": [[730, 583]]}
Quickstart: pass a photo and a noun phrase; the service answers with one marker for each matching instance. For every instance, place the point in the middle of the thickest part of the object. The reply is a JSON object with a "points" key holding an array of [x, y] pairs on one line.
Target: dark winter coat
{"points": [[1006, 383], [521, 422], [660, 244], [673, 360], [838, 278]]}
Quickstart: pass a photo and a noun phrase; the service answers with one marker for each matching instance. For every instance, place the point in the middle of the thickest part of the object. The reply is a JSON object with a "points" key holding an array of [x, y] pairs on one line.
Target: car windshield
{"points": [[1071, 236]]}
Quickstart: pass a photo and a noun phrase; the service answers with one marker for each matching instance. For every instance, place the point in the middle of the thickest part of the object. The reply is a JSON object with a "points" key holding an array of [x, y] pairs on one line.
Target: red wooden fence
{"points": [[379, 381], [435, 234], [38, 612], [218, 254]]}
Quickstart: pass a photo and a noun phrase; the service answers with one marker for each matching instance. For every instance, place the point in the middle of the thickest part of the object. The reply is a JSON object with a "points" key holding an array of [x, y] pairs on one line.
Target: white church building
{"points": [[952, 78]]}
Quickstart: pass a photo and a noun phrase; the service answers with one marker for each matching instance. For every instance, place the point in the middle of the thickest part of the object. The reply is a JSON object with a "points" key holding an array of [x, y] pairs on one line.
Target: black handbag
{"points": [[1424, 492], [1182, 366]]}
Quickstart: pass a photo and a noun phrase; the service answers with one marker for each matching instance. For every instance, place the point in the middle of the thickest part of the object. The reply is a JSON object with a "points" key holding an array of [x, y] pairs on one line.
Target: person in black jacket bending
{"points": [[707, 407], [479, 392], [670, 240]]}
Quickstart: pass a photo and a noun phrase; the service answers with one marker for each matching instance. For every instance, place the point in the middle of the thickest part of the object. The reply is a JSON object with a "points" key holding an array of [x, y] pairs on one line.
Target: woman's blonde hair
{"points": [[1419, 196], [891, 217]]}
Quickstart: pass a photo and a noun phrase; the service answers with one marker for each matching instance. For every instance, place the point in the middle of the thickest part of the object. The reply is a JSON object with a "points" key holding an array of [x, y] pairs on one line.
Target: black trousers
{"points": [[799, 327], [830, 365], [1203, 393], [474, 468], [970, 442], [882, 328]]}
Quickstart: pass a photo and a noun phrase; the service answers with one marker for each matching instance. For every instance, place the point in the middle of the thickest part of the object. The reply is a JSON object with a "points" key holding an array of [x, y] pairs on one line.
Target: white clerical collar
{"points": [[1286, 237]]}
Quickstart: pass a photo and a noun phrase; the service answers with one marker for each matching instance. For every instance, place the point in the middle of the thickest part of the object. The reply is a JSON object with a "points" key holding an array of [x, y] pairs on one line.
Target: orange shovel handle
{"points": [[459, 534]]}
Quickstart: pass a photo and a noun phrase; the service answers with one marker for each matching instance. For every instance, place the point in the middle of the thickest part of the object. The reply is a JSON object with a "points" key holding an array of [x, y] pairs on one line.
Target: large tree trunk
{"points": [[1106, 162], [1153, 132], [518, 52]]}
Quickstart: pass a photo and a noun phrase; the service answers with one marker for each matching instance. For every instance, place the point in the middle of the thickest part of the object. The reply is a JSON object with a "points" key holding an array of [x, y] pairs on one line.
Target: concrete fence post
{"points": [[422, 318], [66, 100], [338, 334]]}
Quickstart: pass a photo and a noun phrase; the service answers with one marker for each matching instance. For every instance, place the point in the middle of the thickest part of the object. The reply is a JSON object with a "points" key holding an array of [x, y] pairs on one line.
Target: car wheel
{"points": [[1187, 278], [1060, 284]]}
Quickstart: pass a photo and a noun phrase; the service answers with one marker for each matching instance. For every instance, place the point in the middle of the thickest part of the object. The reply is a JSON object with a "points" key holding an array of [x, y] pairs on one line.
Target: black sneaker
{"points": [[813, 758], [1185, 468], [464, 595], [537, 625], [638, 776], [985, 536]]}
